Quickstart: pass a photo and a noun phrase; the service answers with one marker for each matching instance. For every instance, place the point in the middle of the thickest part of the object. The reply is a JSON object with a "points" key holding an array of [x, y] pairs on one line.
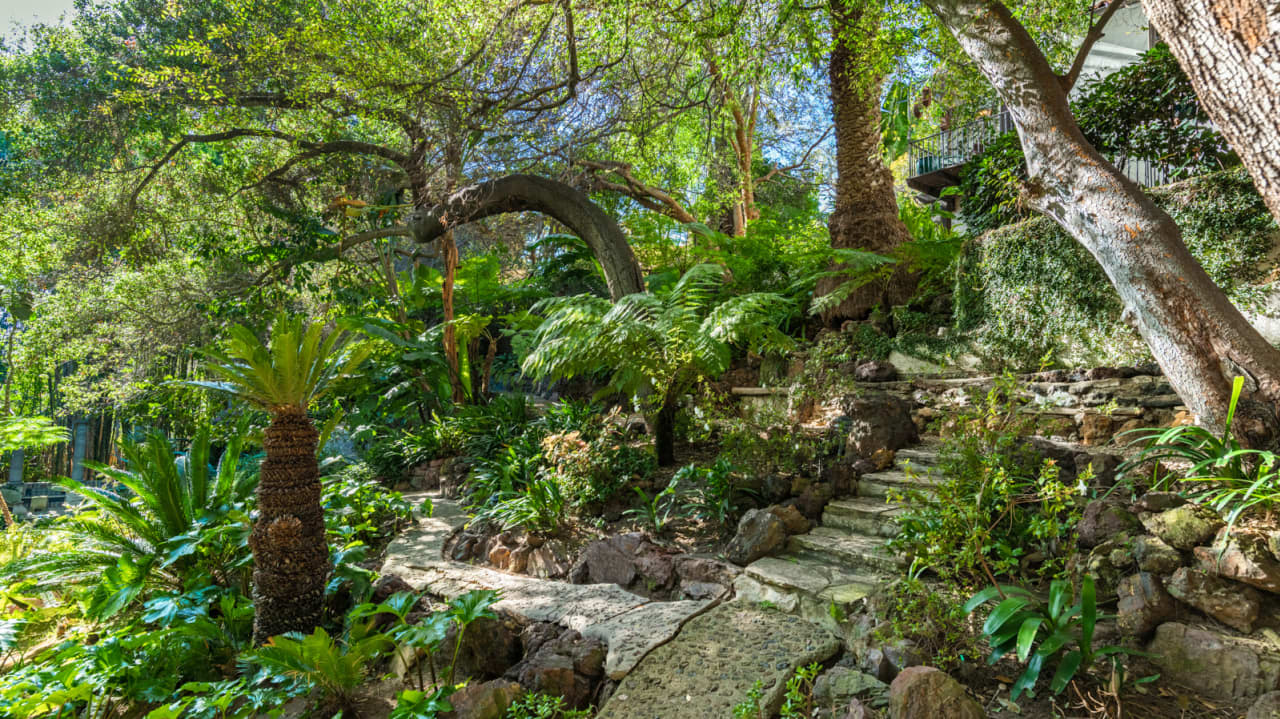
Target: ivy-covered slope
{"points": [[1028, 290]]}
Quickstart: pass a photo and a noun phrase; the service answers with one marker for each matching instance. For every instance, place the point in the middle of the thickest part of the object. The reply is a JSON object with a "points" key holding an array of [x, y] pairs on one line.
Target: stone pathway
{"points": [[845, 559], [629, 625], [714, 661]]}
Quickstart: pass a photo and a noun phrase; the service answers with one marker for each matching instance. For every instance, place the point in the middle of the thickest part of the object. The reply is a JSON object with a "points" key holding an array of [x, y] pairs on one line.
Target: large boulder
{"points": [[1144, 604], [1109, 562], [704, 577], [1213, 664], [1102, 520], [561, 663], [488, 700], [1185, 527], [1243, 556], [928, 693], [630, 561], [877, 422], [792, 519], [489, 647], [760, 532], [1235, 605]]}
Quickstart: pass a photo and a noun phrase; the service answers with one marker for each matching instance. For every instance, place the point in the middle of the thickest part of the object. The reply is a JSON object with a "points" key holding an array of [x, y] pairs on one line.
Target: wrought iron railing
{"points": [[954, 147]]}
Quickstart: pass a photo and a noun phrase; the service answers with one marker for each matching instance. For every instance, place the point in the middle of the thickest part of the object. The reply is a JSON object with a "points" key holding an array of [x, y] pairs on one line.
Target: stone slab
{"points": [[713, 662], [629, 624]]}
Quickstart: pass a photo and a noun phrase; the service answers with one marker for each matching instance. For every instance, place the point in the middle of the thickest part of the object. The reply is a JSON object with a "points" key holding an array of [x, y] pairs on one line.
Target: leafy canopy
{"points": [[295, 367]]}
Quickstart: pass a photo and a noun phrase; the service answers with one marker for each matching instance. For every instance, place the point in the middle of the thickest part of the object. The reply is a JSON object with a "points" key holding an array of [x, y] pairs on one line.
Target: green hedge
{"points": [[1029, 290]]}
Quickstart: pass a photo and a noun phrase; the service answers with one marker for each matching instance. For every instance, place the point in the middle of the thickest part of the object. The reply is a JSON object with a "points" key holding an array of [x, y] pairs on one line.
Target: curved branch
{"points": [[653, 198], [530, 193]]}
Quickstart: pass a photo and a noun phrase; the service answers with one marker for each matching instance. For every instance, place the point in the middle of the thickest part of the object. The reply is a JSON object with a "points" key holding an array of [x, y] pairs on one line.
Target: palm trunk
{"points": [[1228, 50], [1198, 337], [290, 555], [865, 216]]}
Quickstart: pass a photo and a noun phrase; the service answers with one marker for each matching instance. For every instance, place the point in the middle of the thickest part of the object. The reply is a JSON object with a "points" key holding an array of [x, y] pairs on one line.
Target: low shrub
{"points": [[999, 508]]}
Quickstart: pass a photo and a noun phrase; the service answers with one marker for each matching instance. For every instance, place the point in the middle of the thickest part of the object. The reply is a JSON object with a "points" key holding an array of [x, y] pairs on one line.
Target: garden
{"points": [[558, 360]]}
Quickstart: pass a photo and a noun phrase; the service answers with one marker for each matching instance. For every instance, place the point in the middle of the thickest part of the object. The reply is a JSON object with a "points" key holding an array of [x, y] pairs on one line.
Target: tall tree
{"points": [[284, 377], [1198, 337], [865, 215], [1230, 50]]}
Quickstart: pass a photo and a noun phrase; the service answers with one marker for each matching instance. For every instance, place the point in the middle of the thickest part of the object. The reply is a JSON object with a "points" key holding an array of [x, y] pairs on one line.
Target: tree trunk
{"points": [[290, 555], [1229, 49], [1199, 338], [664, 432], [450, 251], [865, 216], [529, 193]]}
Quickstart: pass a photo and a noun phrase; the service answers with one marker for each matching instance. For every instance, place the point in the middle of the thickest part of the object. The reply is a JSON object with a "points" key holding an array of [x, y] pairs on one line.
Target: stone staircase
{"points": [[845, 558]]}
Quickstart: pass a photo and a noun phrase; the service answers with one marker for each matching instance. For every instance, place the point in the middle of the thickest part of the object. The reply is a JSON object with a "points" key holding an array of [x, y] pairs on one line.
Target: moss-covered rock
{"points": [[1185, 527]]}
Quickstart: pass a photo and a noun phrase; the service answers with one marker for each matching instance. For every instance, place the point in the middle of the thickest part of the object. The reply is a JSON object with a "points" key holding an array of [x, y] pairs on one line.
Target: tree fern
{"points": [[654, 347]]}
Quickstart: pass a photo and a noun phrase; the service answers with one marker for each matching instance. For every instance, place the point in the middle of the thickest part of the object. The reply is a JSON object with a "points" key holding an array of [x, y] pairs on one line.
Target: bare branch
{"points": [[804, 159], [1090, 39], [650, 197]]}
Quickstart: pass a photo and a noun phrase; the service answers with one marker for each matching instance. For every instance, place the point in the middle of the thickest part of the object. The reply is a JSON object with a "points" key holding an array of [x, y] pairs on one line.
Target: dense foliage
{"points": [[1144, 114], [1029, 290]]}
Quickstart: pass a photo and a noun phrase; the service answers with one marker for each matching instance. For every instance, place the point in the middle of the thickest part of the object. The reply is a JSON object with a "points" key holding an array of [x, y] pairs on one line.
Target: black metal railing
{"points": [[954, 147]]}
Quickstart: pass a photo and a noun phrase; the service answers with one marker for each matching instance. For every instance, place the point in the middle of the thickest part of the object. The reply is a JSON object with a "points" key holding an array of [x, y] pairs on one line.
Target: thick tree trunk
{"points": [[865, 216], [1199, 338], [664, 432], [529, 193], [1231, 51], [290, 555]]}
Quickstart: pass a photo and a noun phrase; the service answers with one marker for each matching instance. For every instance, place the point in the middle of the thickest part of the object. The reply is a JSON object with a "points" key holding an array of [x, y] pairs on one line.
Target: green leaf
{"points": [[1027, 681], [1003, 613], [1066, 671], [1027, 636]]}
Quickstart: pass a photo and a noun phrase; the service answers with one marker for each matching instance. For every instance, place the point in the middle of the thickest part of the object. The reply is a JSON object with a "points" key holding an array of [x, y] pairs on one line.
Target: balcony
{"points": [[934, 162]]}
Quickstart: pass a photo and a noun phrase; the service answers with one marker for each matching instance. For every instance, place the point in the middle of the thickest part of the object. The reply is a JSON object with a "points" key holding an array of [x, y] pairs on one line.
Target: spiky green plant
{"points": [[182, 518], [284, 376], [655, 346]]}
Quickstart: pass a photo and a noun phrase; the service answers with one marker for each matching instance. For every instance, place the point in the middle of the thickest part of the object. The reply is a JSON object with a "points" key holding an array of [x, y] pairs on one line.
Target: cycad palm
{"points": [[656, 346], [124, 543], [291, 558]]}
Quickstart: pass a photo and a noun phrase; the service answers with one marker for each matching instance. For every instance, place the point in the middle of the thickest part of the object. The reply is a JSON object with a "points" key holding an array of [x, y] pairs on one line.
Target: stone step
{"points": [[798, 574], [844, 551], [880, 484], [921, 455], [863, 515]]}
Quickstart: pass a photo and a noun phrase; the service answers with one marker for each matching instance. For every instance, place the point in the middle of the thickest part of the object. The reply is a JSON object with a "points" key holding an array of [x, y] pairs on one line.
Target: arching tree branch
{"points": [[530, 193]]}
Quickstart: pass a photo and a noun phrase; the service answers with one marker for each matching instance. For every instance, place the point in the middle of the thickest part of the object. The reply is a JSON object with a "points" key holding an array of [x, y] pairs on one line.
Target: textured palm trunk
{"points": [[865, 215], [1229, 49], [1198, 337], [290, 555]]}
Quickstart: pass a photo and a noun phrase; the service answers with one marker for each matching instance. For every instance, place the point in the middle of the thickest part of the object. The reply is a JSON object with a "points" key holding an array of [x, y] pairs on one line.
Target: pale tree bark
{"points": [[1230, 49], [530, 193], [1198, 337], [865, 215]]}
